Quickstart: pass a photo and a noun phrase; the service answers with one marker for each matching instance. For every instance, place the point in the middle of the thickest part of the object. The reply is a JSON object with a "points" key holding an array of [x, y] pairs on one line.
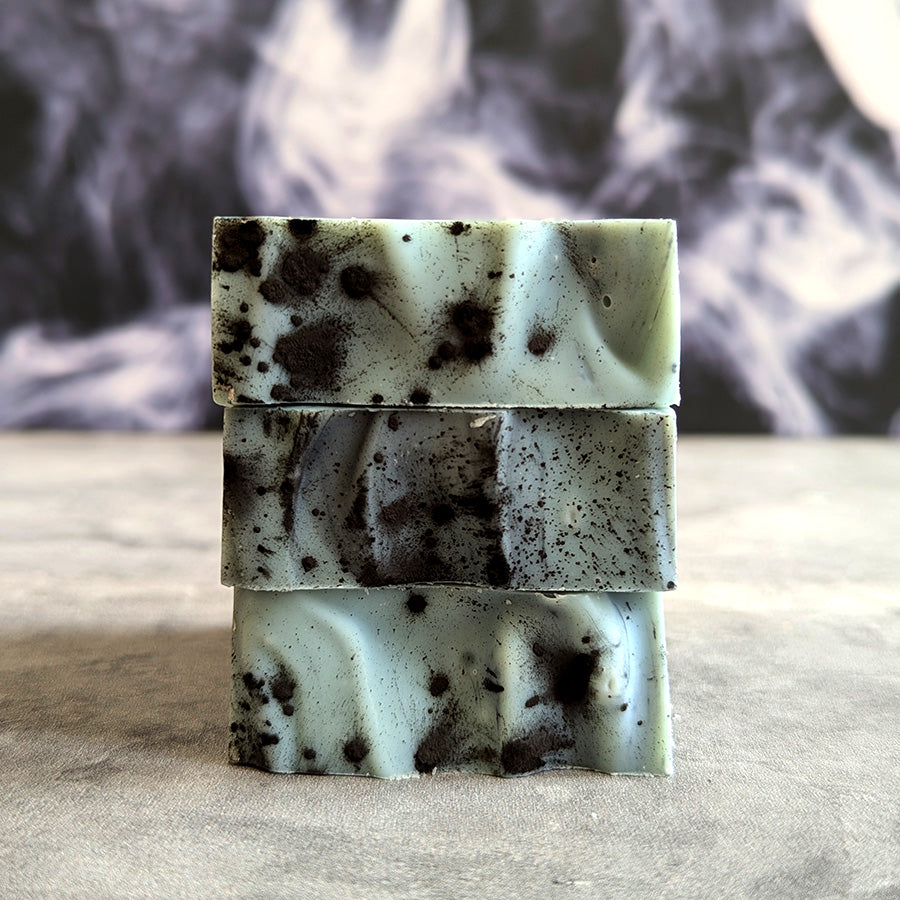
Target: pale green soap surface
{"points": [[393, 683], [499, 314]]}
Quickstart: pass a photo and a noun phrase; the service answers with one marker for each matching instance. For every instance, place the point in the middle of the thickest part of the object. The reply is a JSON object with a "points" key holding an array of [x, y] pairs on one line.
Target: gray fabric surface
{"points": [[784, 655]]}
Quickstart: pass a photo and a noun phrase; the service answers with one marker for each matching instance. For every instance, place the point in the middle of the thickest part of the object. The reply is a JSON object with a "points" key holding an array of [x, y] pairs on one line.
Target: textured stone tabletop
{"points": [[784, 656]]}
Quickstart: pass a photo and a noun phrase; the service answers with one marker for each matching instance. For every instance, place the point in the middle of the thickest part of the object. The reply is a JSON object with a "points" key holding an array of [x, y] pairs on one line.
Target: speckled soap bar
{"points": [[541, 499], [474, 314], [393, 683]]}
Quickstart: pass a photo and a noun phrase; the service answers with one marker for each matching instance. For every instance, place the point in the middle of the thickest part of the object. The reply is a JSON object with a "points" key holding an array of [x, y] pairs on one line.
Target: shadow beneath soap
{"points": [[162, 692]]}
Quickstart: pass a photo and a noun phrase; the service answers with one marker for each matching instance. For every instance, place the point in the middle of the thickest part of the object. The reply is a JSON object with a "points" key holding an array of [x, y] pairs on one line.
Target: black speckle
{"points": [[356, 750], [497, 571], [607, 301], [266, 739], [447, 351], [623, 707], [262, 367], [303, 228], [436, 748], [393, 421], [264, 550], [244, 308], [477, 349], [493, 275], [275, 291], [313, 355], [492, 686], [442, 513], [457, 228], [572, 677], [416, 603], [253, 685], [282, 687], [532, 701], [438, 684], [419, 397], [406, 238], [302, 270], [540, 341], [475, 323], [237, 478], [526, 754], [519, 756], [309, 563], [378, 457], [472, 319], [357, 281], [670, 585], [377, 398], [237, 246], [293, 466], [241, 330], [309, 753], [356, 519]]}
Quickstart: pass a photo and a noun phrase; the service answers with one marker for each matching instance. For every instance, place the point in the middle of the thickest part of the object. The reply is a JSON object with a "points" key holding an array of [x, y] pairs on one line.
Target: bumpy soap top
{"points": [[439, 313]]}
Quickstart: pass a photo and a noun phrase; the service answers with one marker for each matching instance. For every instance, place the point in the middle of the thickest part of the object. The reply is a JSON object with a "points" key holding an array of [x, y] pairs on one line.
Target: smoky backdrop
{"points": [[765, 128]]}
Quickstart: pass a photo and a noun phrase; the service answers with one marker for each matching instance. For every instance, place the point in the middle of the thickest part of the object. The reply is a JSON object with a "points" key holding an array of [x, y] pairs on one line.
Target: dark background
{"points": [[128, 124]]}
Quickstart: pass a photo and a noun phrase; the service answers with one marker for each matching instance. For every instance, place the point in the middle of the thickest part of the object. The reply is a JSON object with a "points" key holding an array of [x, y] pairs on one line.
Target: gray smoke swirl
{"points": [[131, 125]]}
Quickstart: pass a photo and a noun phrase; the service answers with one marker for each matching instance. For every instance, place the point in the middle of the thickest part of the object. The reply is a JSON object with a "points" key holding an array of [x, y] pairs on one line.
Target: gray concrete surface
{"points": [[784, 654]]}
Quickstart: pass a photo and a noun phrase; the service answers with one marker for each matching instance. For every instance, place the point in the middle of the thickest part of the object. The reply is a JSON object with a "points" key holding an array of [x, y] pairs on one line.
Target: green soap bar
{"points": [[392, 683], [540, 499], [439, 313]]}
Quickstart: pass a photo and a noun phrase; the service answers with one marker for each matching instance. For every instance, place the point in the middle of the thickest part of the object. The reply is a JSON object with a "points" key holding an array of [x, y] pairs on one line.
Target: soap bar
{"points": [[474, 314], [394, 683], [533, 500]]}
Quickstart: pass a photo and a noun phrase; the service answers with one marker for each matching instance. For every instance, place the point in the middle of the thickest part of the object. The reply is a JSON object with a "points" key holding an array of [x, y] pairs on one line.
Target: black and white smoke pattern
{"points": [[129, 124]]}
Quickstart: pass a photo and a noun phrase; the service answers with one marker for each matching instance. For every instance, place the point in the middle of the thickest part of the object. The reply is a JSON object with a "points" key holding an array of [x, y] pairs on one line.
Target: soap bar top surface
{"points": [[527, 499], [440, 313], [395, 683]]}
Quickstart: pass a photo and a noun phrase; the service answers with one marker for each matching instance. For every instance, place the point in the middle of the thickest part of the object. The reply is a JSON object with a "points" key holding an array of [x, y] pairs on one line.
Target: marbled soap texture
{"points": [[528, 499], [449, 501], [398, 682], [480, 314]]}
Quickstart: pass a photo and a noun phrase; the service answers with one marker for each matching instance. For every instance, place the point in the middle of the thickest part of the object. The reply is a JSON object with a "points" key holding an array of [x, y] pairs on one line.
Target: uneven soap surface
{"points": [[478, 314], [395, 682], [543, 499]]}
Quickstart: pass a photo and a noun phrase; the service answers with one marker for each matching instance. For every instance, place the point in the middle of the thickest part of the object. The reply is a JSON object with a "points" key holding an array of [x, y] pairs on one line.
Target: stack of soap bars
{"points": [[449, 492]]}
